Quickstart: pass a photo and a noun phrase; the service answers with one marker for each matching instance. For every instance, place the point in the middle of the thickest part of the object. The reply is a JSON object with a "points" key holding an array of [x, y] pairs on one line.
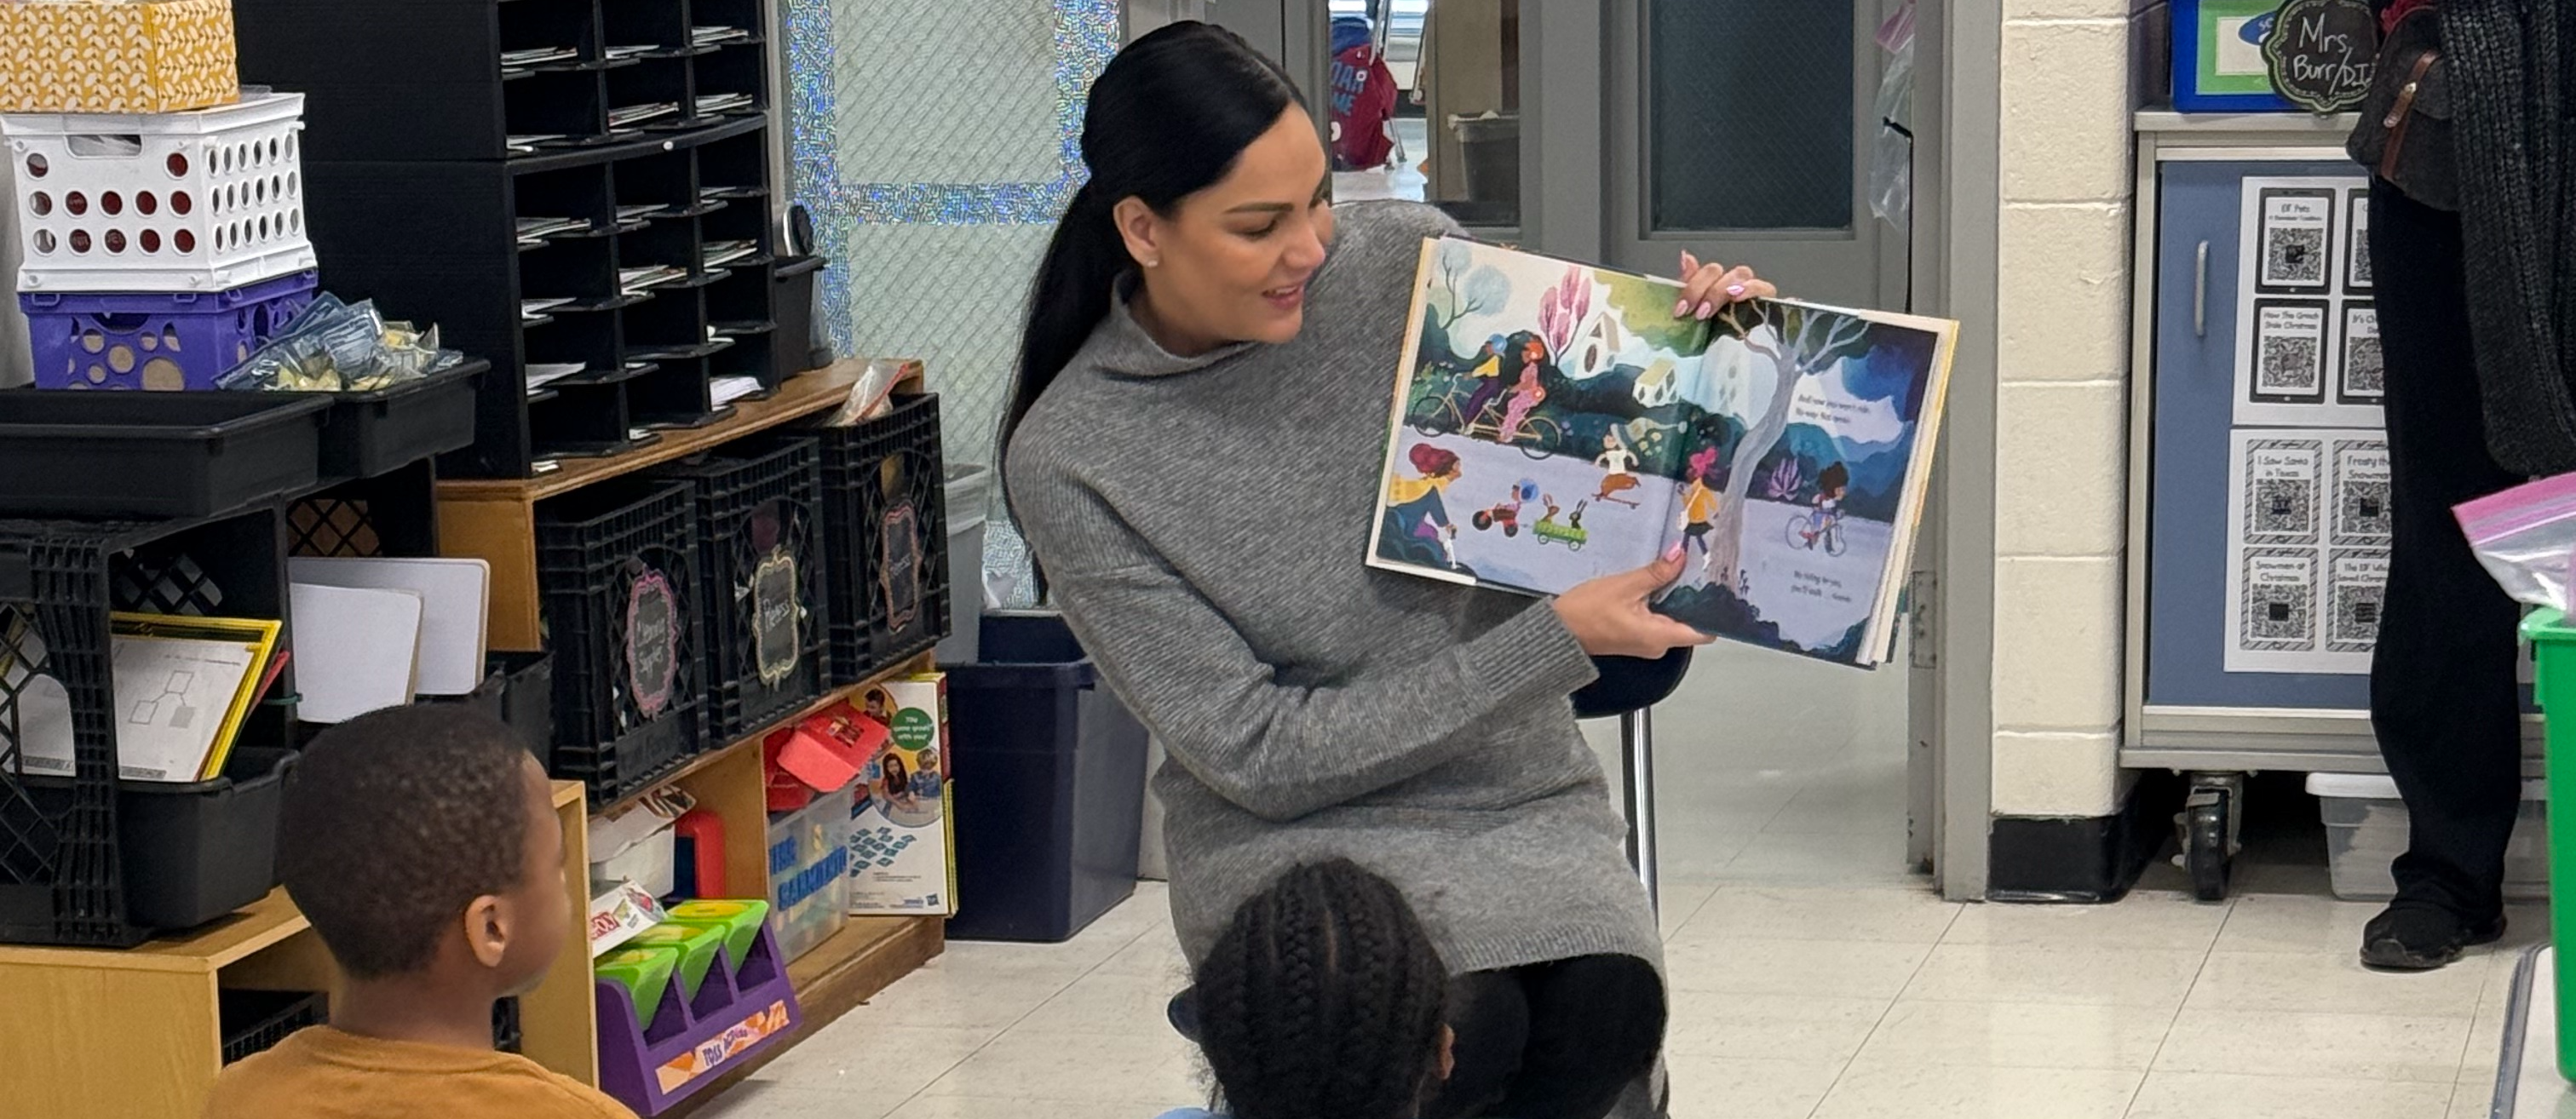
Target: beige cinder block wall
{"points": [[2063, 309]]}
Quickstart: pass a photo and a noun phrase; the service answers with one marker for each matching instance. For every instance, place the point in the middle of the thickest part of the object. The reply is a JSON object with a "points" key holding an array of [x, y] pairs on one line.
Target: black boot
{"points": [[2409, 936]]}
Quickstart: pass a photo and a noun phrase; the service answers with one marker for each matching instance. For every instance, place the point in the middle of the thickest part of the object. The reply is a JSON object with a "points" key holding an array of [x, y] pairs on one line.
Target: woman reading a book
{"points": [[1203, 285]]}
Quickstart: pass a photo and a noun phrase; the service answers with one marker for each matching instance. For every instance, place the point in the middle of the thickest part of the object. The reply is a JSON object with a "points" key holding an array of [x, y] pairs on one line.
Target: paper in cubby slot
{"points": [[725, 390], [361, 649], [645, 970], [706, 36], [740, 921], [635, 843], [719, 253], [182, 687], [455, 597]]}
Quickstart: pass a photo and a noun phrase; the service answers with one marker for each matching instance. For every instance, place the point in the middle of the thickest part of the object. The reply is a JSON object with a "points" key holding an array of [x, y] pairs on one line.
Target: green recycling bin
{"points": [[2553, 652]]}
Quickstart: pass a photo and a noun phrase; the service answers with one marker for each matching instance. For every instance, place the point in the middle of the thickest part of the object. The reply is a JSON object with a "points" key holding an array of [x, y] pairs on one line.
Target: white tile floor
{"points": [[1811, 975]]}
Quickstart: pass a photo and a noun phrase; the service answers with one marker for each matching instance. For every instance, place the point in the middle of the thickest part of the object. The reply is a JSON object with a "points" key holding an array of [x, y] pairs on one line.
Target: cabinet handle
{"points": [[2200, 293]]}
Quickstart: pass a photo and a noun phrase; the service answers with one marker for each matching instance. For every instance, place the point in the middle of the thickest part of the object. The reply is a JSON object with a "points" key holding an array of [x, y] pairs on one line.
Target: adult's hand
{"points": [[1707, 287], [1609, 617]]}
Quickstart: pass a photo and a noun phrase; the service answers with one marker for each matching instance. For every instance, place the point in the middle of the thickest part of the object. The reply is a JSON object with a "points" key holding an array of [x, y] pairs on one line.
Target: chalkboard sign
{"points": [[652, 641], [2322, 53]]}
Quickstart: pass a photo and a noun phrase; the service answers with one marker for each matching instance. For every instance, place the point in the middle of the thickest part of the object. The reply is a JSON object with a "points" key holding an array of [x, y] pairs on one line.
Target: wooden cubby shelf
{"points": [[495, 518]]}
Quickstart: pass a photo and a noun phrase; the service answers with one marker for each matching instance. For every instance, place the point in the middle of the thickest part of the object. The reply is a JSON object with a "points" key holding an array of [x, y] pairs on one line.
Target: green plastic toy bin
{"points": [[2553, 652]]}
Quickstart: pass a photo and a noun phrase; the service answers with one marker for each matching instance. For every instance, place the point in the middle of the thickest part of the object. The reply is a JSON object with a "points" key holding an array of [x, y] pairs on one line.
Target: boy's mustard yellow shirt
{"points": [[323, 1073]]}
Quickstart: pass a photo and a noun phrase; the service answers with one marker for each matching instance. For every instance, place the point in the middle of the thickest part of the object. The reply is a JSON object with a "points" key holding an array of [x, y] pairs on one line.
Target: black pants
{"points": [[2443, 697], [1558, 1040]]}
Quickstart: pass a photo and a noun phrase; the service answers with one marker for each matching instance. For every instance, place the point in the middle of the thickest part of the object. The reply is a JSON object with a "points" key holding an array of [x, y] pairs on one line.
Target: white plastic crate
{"points": [[206, 200], [2366, 828]]}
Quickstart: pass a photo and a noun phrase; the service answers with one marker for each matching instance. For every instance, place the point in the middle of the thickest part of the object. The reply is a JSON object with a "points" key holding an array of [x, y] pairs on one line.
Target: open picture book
{"points": [[1555, 422]]}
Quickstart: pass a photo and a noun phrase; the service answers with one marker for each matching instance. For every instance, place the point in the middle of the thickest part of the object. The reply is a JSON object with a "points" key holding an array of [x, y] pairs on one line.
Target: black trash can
{"points": [[1050, 771]]}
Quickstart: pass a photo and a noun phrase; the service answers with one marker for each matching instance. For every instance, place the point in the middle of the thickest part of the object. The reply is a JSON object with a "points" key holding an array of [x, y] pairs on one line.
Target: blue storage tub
{"points": [[1051, 785]]}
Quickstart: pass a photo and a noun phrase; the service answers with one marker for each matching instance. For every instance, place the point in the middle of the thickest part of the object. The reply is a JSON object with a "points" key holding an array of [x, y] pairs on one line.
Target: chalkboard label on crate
{"points": [[901, 577], [652, 642], [2322, 53], [775, 615]]}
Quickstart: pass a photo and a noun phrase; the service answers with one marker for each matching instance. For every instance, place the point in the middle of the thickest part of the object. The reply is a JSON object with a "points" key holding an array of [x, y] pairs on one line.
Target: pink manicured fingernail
{"points": [[1736, 290], [1672, 553], [1682, 308], [1707, 310]]}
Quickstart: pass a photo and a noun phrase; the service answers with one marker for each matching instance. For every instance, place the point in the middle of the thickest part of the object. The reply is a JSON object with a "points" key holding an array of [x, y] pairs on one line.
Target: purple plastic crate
{"points": [[158, 340], [741, 1009]]}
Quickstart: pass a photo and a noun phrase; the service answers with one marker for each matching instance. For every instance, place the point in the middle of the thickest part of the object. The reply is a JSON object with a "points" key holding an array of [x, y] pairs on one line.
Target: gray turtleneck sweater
{"points": [[1203, 522]]}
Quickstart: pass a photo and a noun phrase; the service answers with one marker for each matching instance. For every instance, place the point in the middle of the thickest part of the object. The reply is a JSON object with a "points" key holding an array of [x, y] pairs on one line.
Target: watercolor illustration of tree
{"points": [[1563, 309], [1466, 288], [1798, 344]]}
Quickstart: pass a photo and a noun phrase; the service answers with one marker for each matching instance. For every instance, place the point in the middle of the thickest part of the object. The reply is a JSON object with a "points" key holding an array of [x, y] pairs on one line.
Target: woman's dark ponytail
{"points": [[1166, 119], [1070, 297]]}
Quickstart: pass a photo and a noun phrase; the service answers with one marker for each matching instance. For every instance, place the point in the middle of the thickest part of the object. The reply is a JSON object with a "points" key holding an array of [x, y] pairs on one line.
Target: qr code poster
{"points": [[2289, 343], [2300, 501], [2356, 591], [2360, 493], [2297, 239], [2364, 377], [2280, 493], [2277, 602], [2302, 263]]}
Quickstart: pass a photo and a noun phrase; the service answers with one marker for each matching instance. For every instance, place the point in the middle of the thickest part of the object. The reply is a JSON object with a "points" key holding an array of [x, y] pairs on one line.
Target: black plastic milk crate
{"points": [[762, 577], [617, 581], [886, 524], [87, 859], [255, 1021]]}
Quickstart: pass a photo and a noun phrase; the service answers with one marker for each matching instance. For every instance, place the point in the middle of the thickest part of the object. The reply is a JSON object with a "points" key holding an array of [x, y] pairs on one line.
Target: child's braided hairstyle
{"points": [[1323, 1000]]}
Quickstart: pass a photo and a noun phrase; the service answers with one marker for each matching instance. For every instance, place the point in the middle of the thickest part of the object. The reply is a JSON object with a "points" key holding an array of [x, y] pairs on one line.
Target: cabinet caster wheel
{"points": [[2205, 846]]}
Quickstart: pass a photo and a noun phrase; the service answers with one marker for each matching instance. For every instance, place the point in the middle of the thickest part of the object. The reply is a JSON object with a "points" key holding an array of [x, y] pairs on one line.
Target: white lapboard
{"points": [[455, 598], [356, 650]]}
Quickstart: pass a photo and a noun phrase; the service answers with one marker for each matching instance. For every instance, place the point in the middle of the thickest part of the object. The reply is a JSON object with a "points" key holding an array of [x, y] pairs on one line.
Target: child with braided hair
{"points": [[1324, 999]]}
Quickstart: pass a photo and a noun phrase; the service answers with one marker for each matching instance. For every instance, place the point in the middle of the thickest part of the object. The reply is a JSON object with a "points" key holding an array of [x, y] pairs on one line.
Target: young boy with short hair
{"points": [[422, 844]]}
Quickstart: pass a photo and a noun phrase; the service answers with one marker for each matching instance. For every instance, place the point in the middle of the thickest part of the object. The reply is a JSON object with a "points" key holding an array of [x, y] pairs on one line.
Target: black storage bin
{"points": [[506, 1035], [886, 531], [518, 689], [197, 851], [616, 576], [389, 514], [791, 301], [86, 859], [365, 434], [154, 454], [1051, 767], [255, 1021], [763, 608]]}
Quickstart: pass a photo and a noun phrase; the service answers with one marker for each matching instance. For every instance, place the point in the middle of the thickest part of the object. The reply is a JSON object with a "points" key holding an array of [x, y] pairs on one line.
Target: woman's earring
{"points": [[1154, 262]]}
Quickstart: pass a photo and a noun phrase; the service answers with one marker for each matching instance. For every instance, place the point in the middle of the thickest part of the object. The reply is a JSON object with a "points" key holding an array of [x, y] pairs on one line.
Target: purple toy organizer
{"points": [[159, 340], [739, 1011]]}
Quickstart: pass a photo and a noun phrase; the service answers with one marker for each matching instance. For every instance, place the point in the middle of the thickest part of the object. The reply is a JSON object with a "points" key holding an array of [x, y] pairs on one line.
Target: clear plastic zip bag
{"points": [[2526, 538]]}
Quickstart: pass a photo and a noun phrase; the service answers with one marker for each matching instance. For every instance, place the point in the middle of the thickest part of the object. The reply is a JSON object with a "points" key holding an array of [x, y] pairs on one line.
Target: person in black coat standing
{"points": [[2477, 400]]}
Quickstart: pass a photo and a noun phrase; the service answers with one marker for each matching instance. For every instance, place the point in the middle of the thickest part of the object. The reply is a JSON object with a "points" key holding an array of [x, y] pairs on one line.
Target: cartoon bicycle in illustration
{"points": [[1823, 528], [1440, 414]]}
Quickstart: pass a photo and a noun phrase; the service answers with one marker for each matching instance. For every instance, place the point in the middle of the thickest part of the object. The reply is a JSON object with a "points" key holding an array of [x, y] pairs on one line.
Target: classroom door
{"points": [[1745, 131]]}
